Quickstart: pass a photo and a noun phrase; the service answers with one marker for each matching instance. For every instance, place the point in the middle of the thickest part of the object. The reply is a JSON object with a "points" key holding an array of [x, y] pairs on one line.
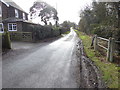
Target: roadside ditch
{"points": [[90, 76]]}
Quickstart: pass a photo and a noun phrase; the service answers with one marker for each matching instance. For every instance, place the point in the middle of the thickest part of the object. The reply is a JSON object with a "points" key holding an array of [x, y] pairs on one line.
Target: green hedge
{"points": [[41, 32]]}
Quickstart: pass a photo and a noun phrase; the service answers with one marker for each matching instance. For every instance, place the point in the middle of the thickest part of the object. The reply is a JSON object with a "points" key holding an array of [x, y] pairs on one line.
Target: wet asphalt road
{"points": [[51, 66]]}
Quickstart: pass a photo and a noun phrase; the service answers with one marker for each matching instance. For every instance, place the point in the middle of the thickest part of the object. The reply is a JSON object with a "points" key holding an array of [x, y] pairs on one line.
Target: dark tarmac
{"points": [[48, 65], [57, 63]]}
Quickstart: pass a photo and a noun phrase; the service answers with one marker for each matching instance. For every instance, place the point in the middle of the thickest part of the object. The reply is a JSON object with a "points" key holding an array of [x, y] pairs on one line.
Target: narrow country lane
{"points": [[51, 66]]}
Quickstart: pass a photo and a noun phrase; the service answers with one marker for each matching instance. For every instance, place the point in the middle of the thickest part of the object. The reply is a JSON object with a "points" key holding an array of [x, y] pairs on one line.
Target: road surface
{"points": [[51, 65]]}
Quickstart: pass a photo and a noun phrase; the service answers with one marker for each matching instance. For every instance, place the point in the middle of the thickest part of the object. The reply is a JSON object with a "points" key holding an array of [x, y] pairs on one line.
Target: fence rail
{"points": [[117, 42], [110, 46], [102, 46], [103, 38]]}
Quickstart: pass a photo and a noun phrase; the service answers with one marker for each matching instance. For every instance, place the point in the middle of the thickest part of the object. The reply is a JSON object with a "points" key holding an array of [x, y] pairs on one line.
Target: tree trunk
{"points": [[119, 15], [45, 22], [56, 23]]}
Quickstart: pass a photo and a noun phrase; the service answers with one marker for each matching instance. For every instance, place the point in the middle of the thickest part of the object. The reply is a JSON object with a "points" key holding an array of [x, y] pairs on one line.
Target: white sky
{"points": [[67, 9]]}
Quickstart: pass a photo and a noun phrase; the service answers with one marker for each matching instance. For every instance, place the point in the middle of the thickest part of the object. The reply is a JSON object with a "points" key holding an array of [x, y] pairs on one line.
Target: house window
{"points": [[16, 13], [24, 16], [0, 11], [12, 27], [1, 28]]}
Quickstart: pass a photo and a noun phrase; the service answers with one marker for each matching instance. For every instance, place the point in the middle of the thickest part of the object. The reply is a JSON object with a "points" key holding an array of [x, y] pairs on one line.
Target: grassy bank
{"points": [[109, 70], [67, 32]]}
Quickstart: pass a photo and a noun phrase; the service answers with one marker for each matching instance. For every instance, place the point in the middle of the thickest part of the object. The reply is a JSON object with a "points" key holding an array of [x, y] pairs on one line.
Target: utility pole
{"points": [[119, 15], [56, 22]]}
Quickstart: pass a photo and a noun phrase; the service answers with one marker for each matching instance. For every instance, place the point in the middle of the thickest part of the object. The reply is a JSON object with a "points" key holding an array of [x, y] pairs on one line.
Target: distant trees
{"points": [[101, 18], [68, 24], [43, 10]]}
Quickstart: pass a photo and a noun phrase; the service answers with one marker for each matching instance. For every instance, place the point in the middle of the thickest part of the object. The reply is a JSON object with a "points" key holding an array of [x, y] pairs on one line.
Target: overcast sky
{"points": [[67, 9]]}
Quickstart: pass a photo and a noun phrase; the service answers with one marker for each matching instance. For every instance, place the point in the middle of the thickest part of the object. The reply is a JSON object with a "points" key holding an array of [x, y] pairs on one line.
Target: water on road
{"points": [[51, 65]]}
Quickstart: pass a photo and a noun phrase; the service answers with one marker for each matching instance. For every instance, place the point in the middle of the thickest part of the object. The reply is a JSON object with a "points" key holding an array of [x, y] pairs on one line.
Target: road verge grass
{"points": [[110, 74], [67, 32]]}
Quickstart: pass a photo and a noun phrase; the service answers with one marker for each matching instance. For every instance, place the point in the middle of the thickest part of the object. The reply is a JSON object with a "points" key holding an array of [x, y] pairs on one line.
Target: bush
{"points": [[101, 30], [40, 32], [56, 31]]}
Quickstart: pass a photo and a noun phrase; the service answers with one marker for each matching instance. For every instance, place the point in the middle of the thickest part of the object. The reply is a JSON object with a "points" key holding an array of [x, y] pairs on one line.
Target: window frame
{"points": [[16, 13], [12, 26], [2, 27], [24, 16]]}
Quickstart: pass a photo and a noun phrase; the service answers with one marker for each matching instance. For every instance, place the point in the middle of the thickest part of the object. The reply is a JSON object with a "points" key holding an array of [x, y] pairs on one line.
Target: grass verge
{"points": [[67, 32], [109, 70]]}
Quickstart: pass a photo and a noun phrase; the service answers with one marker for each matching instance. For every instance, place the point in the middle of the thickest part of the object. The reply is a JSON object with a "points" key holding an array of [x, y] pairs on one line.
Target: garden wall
{"points": [[39, 32], [31, 33]]}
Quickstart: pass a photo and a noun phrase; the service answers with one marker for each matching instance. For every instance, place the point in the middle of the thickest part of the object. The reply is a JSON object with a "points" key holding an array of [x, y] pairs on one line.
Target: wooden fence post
{"points": [[110, 50], [95, 43]]}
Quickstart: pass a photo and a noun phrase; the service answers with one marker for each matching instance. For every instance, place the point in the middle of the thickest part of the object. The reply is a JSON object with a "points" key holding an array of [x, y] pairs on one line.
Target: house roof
{"points": [[4, 3], [9, 20], [13, 4], [12, 20]]}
